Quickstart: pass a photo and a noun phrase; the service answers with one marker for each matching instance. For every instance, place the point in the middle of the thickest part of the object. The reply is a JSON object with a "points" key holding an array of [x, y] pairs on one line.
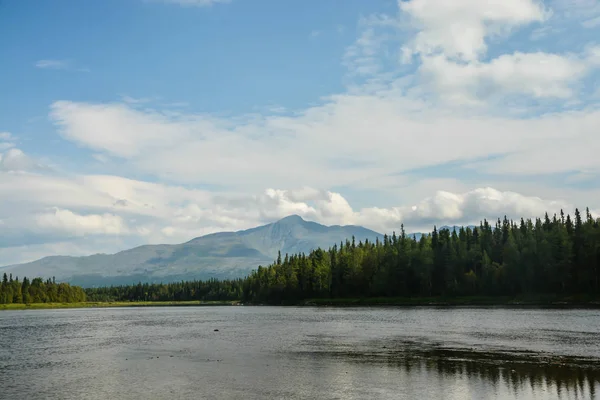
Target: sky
{"points": [[130, 122]]}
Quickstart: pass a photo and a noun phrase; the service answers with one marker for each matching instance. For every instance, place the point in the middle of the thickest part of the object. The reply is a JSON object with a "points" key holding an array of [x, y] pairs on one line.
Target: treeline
{"points": [[38, 291], [211, 290], [558, 255]]}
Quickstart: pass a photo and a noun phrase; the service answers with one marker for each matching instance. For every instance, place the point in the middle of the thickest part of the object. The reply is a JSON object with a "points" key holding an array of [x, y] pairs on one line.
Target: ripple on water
{"points": [[300, 353]]}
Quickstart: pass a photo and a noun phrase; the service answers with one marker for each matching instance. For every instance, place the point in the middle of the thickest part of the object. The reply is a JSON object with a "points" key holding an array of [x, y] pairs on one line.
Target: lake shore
{"points": [[42, 306], [533, 301], [473, 301]]}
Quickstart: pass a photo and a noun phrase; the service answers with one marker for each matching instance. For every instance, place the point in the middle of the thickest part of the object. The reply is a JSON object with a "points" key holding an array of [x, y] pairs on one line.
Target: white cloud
{"points": [[151, 207], [100, 126], [350, 140], [66, 221], [452, 39], [137, 212], [368, 136], [459, 28], [534, 74], [101, 158], [15, 160], [363, 57], [441, 208], [66, 65], [53, 64], [5, 136], [138, 100], [592, 55], [591, 23], [6, 142]]}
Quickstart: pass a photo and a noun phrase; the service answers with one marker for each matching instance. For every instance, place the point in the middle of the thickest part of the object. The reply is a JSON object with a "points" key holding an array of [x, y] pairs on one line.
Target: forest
{"points": [[210, 290], [558, 255], [13, 291]]}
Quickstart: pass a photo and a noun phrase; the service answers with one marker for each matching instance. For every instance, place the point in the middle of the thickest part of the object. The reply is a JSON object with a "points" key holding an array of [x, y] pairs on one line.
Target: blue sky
{"points": [[127, 122]]}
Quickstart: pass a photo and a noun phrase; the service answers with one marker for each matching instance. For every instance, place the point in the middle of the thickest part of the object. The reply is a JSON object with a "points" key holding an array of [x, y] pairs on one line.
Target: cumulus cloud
{"points": [[459, 28], [71, 223], [547, 75], [441, 208], [15, 160], [113, 205], [451, 41]]}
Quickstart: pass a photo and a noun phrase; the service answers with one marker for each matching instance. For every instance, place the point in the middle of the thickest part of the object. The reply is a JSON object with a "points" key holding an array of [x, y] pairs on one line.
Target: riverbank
{"points": [[531, 300], [41, 306]]}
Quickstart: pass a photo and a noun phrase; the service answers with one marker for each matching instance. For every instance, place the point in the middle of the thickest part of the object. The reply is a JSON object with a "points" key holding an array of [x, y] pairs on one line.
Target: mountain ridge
{"points": [[219, 255]]}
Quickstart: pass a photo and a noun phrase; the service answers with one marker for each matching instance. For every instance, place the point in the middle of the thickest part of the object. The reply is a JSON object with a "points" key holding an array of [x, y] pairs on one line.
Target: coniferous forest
{"points": [[13, 291], [558, 256]]}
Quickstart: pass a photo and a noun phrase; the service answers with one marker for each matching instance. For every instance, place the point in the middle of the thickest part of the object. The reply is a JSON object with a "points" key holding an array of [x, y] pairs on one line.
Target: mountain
{"points": [[218, 255], [418, 235]]}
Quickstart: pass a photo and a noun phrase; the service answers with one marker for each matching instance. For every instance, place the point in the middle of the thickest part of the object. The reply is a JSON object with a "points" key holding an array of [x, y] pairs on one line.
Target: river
{"points": [[243, 352]]}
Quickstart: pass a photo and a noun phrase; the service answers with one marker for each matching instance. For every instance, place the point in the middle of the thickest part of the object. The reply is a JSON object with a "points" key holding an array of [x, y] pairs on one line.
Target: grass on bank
{"points": [[524, 300], [41, 306]]}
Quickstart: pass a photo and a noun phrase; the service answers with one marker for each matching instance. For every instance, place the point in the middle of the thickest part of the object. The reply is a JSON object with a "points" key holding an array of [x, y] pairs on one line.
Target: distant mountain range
{"points": [[218, 255], [418, 235]]}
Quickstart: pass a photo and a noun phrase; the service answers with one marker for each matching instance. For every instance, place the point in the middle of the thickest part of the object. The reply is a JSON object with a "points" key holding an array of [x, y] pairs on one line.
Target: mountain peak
{"points": [[294, 218]]}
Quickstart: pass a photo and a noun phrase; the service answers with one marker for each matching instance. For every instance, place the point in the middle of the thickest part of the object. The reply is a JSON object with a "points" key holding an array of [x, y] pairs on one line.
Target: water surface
{"points": [[300, 353]]}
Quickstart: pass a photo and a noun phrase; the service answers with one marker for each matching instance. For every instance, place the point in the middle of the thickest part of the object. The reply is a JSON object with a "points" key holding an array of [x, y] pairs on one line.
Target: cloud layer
{"points": [[86, 209]]}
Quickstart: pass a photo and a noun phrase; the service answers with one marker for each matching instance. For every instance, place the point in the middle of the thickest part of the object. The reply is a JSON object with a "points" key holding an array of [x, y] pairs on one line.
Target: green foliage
{"points": [[211, 290], [545, 258], [12, 291], [551, 256]]}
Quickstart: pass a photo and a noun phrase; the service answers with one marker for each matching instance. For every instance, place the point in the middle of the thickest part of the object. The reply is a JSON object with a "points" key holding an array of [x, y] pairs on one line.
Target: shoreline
{"points": [[463, 301], [114, 304], [474, 301]]}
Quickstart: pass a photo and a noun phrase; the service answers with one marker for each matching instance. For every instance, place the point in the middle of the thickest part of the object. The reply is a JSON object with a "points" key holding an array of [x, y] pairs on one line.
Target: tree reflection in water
{"points": [[524, 375]]}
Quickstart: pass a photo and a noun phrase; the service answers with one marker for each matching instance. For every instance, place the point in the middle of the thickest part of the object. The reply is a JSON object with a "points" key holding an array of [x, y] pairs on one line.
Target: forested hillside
{"points": [[37, 291], [559, 255]]}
